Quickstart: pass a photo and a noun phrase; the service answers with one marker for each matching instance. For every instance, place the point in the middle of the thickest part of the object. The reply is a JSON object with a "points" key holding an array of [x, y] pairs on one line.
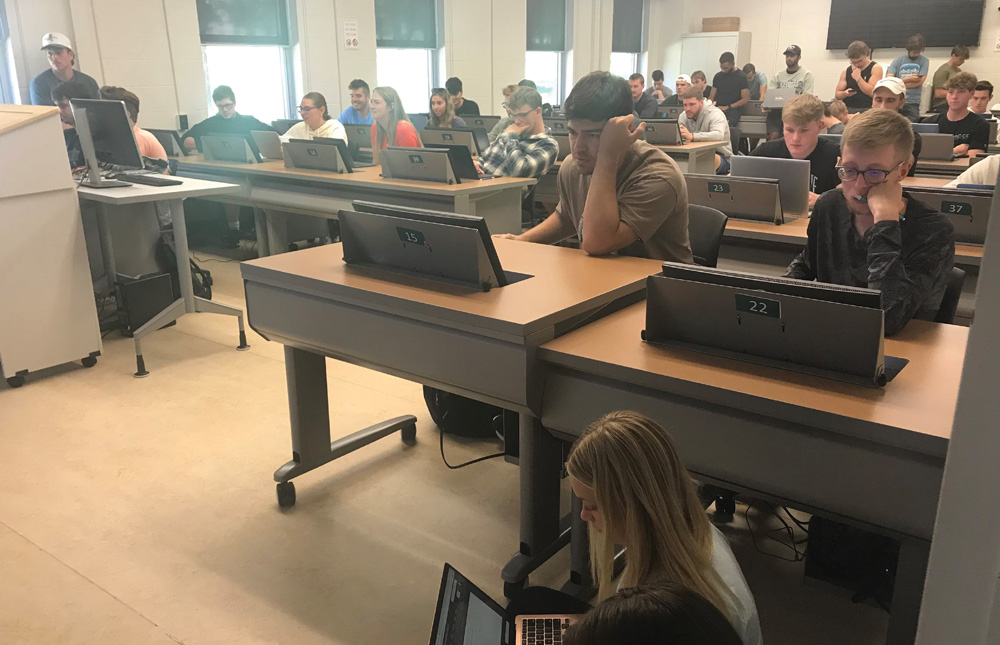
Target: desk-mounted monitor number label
{"points": [[416, 159], [409, 236], [956, 208], [312, 152], [760, 306], [718, 187], [447, 137]]}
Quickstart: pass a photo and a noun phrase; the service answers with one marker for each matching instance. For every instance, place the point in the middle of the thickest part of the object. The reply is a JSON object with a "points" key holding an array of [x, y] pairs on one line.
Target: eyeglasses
{"points": [[521, 115], [306, 108], [225, 106], [872, 176]]}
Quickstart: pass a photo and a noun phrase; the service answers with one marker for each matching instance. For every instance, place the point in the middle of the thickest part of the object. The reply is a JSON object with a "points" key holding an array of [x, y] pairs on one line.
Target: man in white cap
{"points": [[890, 94], [683, 82], [61, 59]]}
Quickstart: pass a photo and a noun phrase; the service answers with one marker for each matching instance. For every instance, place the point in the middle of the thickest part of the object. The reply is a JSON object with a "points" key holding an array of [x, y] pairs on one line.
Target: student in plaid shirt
{"points": [[523, 149]]}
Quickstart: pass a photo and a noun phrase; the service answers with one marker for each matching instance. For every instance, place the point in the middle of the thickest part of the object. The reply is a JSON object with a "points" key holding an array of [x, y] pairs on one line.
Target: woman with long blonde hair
{"points": [[637, 493], [442, 114], [392, 127]]}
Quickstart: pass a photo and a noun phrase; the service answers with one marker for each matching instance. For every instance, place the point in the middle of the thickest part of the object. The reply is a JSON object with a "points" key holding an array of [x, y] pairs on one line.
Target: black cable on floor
{"points": [[468, 463]]}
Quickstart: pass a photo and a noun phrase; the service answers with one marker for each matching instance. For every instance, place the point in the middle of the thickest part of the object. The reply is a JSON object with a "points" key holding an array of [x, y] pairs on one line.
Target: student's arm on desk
{"points": [[553, 229]]}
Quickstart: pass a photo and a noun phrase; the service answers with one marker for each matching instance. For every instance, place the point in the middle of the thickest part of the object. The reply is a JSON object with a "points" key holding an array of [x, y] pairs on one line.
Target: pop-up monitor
{"points": [[967, 208], [171, 142], [420, 164], [475, 139], [446, 247], [746, 198], [485, 122], [320, 153], [821, 329], [792, 175], [230, 147]]}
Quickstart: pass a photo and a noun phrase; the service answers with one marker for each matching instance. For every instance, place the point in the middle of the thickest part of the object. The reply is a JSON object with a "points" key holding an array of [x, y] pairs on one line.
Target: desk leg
{"points": [[107, 247], [308, 407], [260, 226], [908, 592], [542, 533]]}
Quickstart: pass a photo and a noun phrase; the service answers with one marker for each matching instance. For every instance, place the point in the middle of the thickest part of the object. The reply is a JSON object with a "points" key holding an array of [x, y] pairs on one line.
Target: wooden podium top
{"points": [[13, 117]]}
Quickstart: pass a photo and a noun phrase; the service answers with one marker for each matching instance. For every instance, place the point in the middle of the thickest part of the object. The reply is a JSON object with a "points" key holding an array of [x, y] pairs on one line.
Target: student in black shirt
{"points": [[971, 131], [682, 84], [643, 105], [462, 105], [731, 90], [802, 120], [857, 83], [870, 234], [227, 121]]}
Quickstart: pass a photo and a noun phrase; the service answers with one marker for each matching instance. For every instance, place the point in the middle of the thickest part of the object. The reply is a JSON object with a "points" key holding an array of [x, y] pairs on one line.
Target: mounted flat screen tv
{"points": [[943, 23], [243, 22]]}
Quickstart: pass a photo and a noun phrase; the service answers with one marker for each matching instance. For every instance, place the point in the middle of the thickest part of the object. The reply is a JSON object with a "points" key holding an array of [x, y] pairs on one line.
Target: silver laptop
{"points": [[268, 142], [421, 164], [793, 177], [483, 121], [663, 132], [926, 128], [937, 147], [777, 98], [235, 148], [754, 108], [564, 148], [465, 615]]}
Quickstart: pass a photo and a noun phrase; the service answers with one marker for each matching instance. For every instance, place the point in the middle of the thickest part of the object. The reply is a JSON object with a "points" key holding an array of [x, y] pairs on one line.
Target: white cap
{"points": [[55, 39], [685, 78], [893, 84]]}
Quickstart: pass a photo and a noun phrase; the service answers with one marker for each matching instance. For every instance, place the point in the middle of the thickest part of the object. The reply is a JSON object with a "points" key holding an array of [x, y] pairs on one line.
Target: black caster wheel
{"points": [[15, 381], [725, 507], [513, 589], [409, 434], [286, 494], [89, 361]]}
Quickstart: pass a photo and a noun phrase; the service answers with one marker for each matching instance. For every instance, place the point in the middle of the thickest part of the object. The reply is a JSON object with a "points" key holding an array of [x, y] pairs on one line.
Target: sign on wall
{"points": [[350, 34]]}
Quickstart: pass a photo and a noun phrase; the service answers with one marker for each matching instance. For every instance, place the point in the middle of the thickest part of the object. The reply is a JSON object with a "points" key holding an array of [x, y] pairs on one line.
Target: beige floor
{"points": [[143, 510]]}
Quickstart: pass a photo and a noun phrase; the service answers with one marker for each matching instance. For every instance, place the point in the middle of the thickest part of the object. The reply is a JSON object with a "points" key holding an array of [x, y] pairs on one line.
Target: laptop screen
{"points": [[467, 616]]}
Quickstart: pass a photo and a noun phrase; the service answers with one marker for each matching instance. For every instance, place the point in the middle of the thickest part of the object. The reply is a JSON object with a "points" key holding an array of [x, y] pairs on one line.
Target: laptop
{"points": [[171, 142], [465, 615], [926, 128], [937, 147], [663, 132], [671, 111], [461, 161], [230, 147], [793, 177], [754, 108], [268, 142], [776, 99], [318, 154]]}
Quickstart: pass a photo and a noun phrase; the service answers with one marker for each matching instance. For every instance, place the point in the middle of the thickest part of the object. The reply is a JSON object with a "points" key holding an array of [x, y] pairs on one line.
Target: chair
{"points": [[735, 134], [952, 293], [705, 228], [529, 216]]}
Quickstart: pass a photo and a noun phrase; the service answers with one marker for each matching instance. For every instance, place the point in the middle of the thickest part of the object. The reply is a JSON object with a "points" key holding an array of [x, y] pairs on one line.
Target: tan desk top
{"points": [[921, 399], [17, 116], [362, 176], [929, 182], [694, 146], [563, 281]]}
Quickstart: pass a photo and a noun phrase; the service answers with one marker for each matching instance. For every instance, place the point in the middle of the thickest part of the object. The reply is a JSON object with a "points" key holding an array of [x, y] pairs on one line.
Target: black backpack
{"points": [[201, 278], [462, 416]]}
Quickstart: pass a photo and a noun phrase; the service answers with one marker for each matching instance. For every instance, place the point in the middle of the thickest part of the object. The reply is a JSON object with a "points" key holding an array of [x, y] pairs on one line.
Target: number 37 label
{"points": [[759, 306]]}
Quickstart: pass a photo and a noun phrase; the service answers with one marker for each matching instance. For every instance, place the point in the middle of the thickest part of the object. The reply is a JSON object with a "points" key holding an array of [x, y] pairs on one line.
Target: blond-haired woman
{"points": [[392, 127], [637, 493], [442, 114]]}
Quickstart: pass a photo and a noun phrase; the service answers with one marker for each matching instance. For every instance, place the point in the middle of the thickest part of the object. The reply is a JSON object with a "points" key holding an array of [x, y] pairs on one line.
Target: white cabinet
{"points": [[47, 311], [702, 51]]}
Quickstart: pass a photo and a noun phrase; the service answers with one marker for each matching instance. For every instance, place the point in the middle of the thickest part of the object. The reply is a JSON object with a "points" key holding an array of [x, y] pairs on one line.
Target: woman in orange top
{"points": [[392, 127]]}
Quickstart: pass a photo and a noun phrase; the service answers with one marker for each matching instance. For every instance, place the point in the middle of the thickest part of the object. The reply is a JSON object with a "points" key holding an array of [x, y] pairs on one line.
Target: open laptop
{"points": [[777, 98], [268, 142], [793, 179], [937, 147], [461, 161], [465, 615], [926, 128], [663, 132], [754, 108], [320, 153]]}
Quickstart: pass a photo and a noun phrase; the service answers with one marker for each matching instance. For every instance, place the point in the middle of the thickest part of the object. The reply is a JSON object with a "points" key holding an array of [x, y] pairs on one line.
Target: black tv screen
{"points": [[243, 22], [943, 23]]}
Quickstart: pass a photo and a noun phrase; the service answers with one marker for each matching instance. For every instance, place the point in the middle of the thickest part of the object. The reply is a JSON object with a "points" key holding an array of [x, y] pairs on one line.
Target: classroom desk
{"points": [[943, 168], [872, 457], [476, 344], [174, 196], [271, 186]]}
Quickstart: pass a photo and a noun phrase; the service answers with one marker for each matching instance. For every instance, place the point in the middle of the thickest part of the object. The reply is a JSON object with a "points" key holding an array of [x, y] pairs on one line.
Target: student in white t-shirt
{"points": [[316, 121], [637, 493]]}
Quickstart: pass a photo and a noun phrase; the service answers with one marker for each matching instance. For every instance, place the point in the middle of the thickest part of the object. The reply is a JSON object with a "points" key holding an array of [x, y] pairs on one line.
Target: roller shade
{"points": [[546, 25], [406, 24], [626, 28]]}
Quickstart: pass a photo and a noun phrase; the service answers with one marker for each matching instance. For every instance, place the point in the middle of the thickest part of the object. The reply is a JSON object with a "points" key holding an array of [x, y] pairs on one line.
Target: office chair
{"points": [[528, 215], [705, 228], [735, 134], [952, 294]]}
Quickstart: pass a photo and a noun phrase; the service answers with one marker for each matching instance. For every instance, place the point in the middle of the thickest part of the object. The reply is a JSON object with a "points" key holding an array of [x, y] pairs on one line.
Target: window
{"points": [[7, 81], [544, 60], [257, 74], [409, 72], [624, 64], [406, 41]]}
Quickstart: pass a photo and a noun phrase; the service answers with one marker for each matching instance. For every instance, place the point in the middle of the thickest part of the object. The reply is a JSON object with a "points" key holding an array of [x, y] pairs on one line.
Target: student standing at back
{"points": [[857, 82], [462, 104], [911, 68], [442, 112], [358, 112], [731, 90], [392, 126], [794, 77], [61, 57], [756, 82], [971, 131], [939, 100]]}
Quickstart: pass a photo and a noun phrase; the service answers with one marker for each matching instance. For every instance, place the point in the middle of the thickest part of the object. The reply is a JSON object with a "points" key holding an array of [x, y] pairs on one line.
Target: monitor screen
{"points": [[110, 131]]}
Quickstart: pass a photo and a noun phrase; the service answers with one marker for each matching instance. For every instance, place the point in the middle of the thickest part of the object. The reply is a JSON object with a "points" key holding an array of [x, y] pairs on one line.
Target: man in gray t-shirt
{"points": [[61, 58], [912, 68], [794, 77]]}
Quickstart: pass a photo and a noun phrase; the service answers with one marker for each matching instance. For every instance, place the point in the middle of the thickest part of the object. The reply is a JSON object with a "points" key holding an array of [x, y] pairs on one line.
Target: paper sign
{"points": [[350, 34]]}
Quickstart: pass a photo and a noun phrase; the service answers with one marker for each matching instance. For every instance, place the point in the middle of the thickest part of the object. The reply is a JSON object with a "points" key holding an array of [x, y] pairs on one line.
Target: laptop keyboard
{"points": [[543, 631]]}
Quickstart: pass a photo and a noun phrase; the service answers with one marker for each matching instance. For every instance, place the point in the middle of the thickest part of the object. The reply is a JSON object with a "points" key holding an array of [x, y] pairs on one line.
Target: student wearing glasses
{"points": [[392, 126], [868, 233], [316, 121], [508, 120], [524, 149], [227, 121], [442, 114]]}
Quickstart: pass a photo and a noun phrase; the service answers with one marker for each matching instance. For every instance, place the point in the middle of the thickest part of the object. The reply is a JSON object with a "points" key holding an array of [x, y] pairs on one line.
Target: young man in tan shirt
{"points": [[616, 193]]}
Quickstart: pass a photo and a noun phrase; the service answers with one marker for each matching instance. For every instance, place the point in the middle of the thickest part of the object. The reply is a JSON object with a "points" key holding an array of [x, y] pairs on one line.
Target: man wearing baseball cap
{"points": [[682, 83], [890, 94], [795, 77], [61, 59]]}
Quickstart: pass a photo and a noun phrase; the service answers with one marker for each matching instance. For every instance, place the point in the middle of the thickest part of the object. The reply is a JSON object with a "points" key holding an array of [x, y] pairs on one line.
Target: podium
{"points": [[48, 315]]}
